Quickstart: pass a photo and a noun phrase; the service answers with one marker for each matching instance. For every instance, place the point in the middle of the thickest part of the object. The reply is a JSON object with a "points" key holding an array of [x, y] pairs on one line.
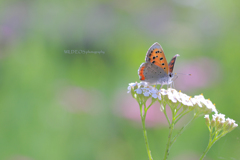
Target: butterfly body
{"points": [[156, 70]]}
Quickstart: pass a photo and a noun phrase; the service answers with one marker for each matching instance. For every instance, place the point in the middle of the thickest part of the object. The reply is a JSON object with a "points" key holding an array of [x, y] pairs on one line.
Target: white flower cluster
{"points": [[220, 123], [143, 88], [197, 102]]}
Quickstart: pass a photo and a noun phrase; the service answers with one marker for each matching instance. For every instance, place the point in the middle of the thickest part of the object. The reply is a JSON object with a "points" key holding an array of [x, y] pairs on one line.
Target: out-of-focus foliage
{"points": [[55, 104]]}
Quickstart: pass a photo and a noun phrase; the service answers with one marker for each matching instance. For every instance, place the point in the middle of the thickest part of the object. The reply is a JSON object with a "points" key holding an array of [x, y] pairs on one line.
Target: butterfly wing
{"points": [[156, 56], [171, 63], [151, 73]]}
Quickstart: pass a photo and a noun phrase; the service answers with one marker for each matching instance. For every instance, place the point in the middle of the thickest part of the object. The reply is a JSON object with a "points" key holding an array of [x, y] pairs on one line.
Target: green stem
{"points": [[143, 117], [181, 130], [179, 109], [165, 113], [149, 105], [178, 117], [210, 143], [171, 127], [206, 150]]}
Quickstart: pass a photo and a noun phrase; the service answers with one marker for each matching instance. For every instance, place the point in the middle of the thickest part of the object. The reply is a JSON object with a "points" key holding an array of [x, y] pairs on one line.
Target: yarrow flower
{"points": [[154, 92], [205, 103], [199, 103], [218, 127], [220, 124]]}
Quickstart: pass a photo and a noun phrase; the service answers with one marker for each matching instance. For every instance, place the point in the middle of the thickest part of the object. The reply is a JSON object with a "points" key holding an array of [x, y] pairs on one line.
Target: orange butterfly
{"points": [[156, 70]]}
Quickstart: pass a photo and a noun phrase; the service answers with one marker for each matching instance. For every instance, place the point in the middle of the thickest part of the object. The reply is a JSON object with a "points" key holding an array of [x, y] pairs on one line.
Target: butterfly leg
{"points": [[174, 78], [161, 86]]}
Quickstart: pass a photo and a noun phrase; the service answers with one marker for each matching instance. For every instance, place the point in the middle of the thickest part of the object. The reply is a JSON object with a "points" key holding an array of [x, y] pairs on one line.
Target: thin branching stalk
{"points": [[143, 117]]}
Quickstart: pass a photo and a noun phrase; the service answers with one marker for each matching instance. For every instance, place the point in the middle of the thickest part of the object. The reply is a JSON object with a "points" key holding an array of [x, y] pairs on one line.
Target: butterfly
{"points": [[156, 70]]}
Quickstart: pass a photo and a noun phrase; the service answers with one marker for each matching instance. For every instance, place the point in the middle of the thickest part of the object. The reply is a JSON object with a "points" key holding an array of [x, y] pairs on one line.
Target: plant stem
{"points": [[143, 117], [210, 143], [171, 127], [180, 115], [149, 105], [165, 113], [207, 149], [180, 131]]}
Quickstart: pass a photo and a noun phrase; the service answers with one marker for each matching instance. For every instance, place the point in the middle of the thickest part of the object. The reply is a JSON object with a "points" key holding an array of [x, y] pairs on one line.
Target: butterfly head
{"points": [[171, 75]]}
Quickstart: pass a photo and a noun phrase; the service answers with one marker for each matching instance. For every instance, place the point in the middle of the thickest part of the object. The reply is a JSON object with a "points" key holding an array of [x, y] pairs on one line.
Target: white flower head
{"points": [[155, 95], [151, 87], [171, 96], [220, 123], [129, 89], [206, 116], [139, 91], [178, 96], [235, 125], [207, 119], [230, 121], [230, 124], [154, 92], [132, 86], [220, 117], [143, 84], [186, 100], [210, 106], [146, 93], [203, 105], [163, 92], [198, 100]]}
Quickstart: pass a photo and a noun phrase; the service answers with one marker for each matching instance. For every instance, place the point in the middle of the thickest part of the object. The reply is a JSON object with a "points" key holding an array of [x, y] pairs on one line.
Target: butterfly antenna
{"points": [[184, 74]]}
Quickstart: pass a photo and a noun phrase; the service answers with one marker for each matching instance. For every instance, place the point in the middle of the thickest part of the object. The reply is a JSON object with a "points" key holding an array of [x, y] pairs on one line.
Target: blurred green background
{"points": [[60, 105]]}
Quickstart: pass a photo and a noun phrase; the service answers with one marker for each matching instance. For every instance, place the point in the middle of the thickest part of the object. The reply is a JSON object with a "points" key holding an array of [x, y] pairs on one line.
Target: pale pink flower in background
{"points": [[127, 107], [13, 22], [204, 72]]}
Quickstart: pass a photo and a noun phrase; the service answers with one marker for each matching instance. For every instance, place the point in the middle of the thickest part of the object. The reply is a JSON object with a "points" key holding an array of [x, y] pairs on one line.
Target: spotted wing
{"points": [[156, 56], [171, 63], [151, 73]]}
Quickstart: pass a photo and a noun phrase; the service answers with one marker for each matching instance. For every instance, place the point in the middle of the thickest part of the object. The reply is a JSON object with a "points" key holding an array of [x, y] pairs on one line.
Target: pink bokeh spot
{"points": [[127, 107], [204, 72]]}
